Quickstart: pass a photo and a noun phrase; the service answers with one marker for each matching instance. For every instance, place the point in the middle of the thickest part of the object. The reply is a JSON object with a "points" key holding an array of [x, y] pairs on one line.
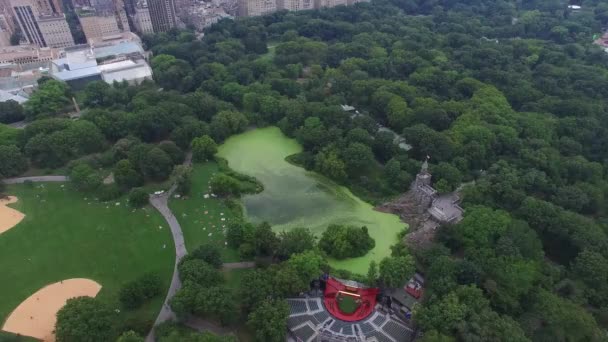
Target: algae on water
{"points": [[294, 197]]}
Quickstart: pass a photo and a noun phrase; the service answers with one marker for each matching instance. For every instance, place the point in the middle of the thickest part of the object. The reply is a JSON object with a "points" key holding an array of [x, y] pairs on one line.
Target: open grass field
{"points": [[203, 219], [67, 235]]}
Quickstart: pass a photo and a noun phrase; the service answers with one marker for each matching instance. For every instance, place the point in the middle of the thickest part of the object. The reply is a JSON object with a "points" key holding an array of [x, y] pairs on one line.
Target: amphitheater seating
{"points": [[313, 305], [321, 316], [381, 337], [308, 320], [397, 331], [305, 332], [297, 306]]}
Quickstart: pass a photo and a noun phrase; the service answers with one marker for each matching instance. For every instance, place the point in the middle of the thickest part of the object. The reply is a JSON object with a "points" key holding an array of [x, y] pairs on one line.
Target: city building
{"points": [[6, 30], [295, 5], [121, 15], [330, 3], [41, 23], [98, 25], [201, 14], [141, 18], [162, 14], [55, 31], [27, 54], [250, 8], [119, 60]]}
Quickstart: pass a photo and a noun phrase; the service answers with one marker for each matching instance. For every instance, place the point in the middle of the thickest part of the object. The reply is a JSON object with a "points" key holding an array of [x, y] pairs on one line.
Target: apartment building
{"points": [[162, 14], [98, 26], [250, 8], [55, 31], [141, 18]]}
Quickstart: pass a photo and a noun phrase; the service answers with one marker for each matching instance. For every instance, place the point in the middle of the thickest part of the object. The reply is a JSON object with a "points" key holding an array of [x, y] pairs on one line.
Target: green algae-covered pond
{"points": [[294, 197]]}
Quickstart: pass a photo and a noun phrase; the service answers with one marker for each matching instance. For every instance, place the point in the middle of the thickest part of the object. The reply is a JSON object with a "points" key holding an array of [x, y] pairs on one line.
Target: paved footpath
{"points": [[160, 202]]}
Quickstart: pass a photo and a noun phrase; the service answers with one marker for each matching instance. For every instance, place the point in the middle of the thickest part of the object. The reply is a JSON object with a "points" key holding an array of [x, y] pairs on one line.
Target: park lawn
{"points": [[190, 213], [64, 235]]}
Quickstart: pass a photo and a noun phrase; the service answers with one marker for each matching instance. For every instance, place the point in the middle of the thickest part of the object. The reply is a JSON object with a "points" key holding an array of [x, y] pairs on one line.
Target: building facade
{"points": [[141, 18], [295, 5], [98, 26], [250, 8], [162, 14], [55, 31]]}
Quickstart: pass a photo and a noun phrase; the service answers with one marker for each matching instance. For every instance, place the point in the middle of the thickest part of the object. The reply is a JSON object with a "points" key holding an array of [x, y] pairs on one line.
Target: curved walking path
{"points": [[160, 202]]}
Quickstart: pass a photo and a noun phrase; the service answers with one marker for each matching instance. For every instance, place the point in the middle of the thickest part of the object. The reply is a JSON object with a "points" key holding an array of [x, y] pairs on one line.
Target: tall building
{"points": [[42, 23], [162, 14], [55, 31], [26, 14], [98, 26], [48, 7], [141, 18], [251, 8], [121, 16], [295, 5], [6, 30]]}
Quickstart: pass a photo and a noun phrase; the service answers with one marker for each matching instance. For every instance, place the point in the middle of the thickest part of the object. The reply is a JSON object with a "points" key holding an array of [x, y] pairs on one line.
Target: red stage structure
{"points": [[364, 297]]}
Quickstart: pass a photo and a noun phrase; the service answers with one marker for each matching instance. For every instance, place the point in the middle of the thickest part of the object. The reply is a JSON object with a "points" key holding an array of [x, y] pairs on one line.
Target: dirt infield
{"points": [[36, 316], [9, 217]]}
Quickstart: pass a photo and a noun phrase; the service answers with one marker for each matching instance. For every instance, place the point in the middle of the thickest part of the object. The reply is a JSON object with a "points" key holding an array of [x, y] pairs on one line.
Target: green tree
{"points": [[209, 253], [358, 158], [372, 273], [11, 111], [203, 148], [223, 184], [126, 176], [84, 319], [295, 241], [395, 271], [173, 151], [269, 321], [12, 161], [157, 165], [226, 123], [84, 178], [138, 197], [50, 98], [199, 272], [346, 241]]}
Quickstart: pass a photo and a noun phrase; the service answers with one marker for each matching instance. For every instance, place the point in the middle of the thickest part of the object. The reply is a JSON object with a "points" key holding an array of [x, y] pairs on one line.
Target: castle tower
{"points": [[423, 192]]}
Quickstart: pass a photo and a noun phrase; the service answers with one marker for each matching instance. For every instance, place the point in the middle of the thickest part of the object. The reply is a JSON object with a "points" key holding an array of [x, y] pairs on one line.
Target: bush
{"points": [[209, 253], [346, 241], [108, 192], [138, 197], [133, 294]]}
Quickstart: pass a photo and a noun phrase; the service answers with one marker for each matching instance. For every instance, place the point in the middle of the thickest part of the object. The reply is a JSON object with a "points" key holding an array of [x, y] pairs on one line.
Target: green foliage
{"points": [[269, 321], [130, 336], [203, 148], [199, 272], [395, 271], [133, 294], [138, 197], [294, 241], [12, 161], [84, 319], [346, 241], [126, 176], [225, 185], [84, 178], [51, 98], [11, 111], [209, 253]]}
